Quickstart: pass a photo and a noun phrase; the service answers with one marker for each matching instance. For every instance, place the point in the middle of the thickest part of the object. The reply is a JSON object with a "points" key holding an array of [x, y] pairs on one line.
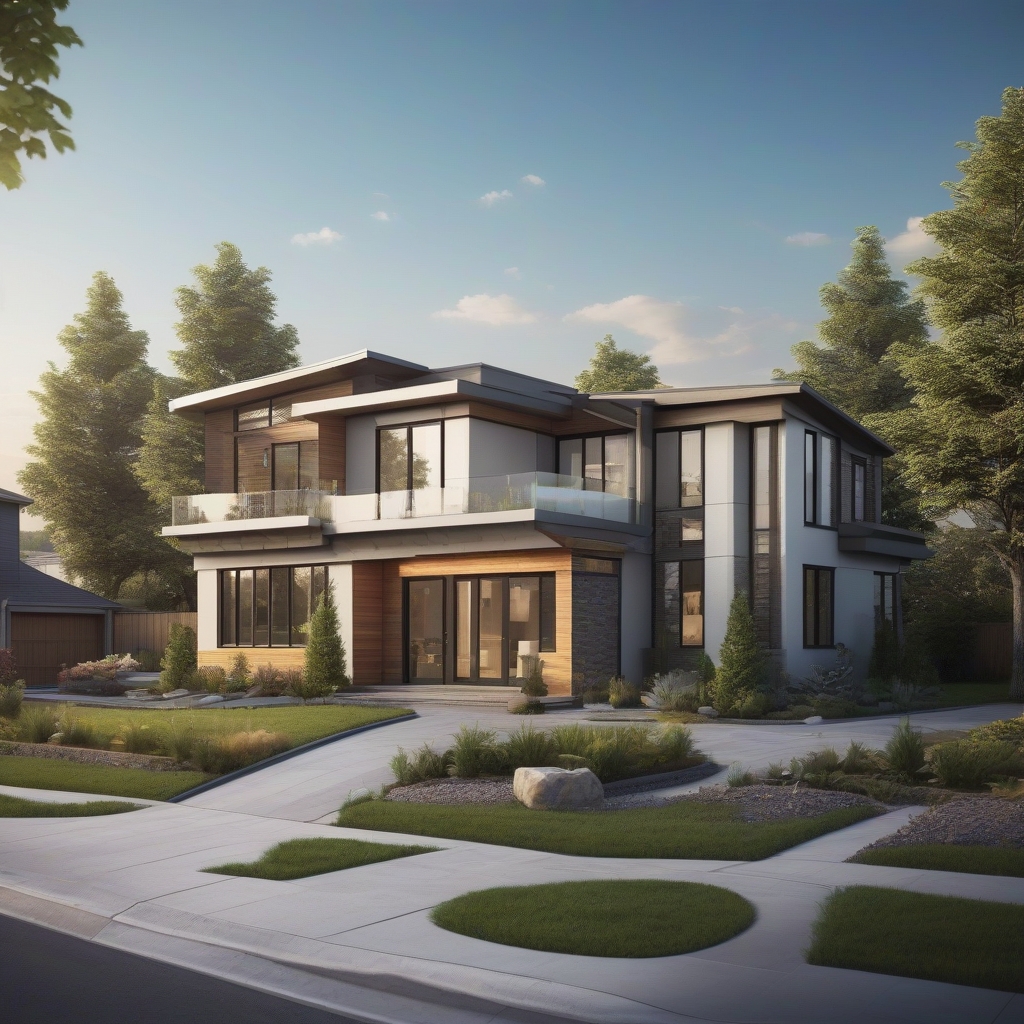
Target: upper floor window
{"points": [[858, 482], [263, 414], [679, 468], [819, 478], [409, 457], [603, 462]]}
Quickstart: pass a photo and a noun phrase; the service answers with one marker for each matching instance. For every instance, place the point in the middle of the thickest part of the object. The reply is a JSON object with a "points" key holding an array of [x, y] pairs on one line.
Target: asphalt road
{"points": [[48, 977]]}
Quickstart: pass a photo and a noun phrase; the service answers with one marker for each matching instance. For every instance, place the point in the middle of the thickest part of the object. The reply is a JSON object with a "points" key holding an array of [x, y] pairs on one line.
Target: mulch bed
{"points": [[84, 755], [964, 821]]}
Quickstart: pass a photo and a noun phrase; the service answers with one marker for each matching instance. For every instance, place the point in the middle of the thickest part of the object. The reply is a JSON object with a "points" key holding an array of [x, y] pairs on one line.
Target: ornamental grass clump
{"points": [[623, 694], [904, 753], [37, 724], [140, 737], [475, 753], [530, 748], [425, 763], [11, 696]]}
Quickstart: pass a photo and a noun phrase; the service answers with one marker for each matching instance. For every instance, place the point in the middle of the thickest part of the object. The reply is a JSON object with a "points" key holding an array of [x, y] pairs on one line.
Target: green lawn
{"points": [[938, 938], [681, 830], [954, 695], [621, 917], [49, 773], [299, 858], [16, 807], [975, 860]]}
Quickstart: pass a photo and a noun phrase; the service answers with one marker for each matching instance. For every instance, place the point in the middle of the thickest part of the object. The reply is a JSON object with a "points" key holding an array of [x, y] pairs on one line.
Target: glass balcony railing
{"points": [[547, 491]]}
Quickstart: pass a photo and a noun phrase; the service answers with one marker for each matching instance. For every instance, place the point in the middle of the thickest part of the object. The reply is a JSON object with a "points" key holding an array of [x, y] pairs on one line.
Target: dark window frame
{"points": [[814, 497], [880, 607], [816, 629], [222, 573], [603, 434], [654, 467], [833, 512], [858, 462], [408, 427]]}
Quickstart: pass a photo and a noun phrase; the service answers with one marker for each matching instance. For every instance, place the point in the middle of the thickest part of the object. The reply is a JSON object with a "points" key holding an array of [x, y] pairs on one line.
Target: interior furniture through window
{"points": [[679, 469], [604, 462]]}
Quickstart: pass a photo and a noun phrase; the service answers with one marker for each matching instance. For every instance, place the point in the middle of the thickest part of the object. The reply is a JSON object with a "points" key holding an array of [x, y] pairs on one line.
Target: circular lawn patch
{"points": [[622, 917]]}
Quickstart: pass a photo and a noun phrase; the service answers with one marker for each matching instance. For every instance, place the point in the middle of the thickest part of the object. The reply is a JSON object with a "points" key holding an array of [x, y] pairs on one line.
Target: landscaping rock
{"points": [[707, 712], [214, 698], [141, 694], [56, 738], [175, 693], [558, 789], [814, 720]]}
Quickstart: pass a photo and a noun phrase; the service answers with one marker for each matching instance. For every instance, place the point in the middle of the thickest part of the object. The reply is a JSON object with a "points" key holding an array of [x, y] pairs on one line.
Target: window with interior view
{"points": [[819, 606], [819, 477], [885, 598], [682, 602], [679, 468], [603, 462], [269, 607], [276, 467]]}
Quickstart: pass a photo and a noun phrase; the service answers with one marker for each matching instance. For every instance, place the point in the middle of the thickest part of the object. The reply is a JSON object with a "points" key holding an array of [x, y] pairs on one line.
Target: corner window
{"points": [[603, 462], [679, 468], [819, 606], [269, 607]]}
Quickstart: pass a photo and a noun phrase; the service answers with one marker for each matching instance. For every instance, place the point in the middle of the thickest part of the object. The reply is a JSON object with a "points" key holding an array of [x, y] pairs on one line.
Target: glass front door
{"points": [[426, 630]]}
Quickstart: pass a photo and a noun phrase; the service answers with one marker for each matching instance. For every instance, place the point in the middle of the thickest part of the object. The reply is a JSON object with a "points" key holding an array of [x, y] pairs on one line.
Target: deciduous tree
{"points": [[615, 369]]}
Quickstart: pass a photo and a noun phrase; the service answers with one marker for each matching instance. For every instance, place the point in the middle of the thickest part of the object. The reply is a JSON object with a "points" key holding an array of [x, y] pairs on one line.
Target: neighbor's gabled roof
{"points": [[13, 498]]}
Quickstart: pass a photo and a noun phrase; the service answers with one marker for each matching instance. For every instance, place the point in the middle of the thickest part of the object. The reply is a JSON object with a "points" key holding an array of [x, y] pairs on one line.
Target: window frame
{"points": [[222, 574], [602, 434], [409, 460], [880, 616], [679, 469], [817, 570], [833, 512], [858, 462], [677, 564]]}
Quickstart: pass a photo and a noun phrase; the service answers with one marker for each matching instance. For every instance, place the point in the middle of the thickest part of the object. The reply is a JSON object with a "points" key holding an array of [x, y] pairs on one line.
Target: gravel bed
{"points": [[964, 821], [758, 803], [83, 755], [455, 791]]}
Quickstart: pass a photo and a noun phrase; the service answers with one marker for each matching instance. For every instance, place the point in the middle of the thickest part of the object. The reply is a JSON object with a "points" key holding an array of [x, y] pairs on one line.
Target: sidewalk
{"points": [[361, 940]]}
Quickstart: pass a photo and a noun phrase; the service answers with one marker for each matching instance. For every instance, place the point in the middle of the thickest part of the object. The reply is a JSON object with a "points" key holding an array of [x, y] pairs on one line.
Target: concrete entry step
{"points": [[453, 694]]}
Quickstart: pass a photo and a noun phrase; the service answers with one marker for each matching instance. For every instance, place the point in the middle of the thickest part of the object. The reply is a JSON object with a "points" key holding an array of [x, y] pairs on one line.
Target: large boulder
{"points": [[557, 789]]}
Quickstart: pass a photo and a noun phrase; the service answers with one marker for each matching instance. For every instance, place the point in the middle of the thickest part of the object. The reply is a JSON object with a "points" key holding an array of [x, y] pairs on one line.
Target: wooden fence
{"points": [[136, 631], [993, 650]]}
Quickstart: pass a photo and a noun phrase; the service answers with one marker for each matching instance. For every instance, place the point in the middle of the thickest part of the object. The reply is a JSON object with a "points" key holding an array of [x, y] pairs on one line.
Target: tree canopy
{"points": [[29, 38], [615, 369]]}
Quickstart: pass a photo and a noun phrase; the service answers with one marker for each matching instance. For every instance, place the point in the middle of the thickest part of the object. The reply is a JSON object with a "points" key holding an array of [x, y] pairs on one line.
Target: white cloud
{"points": [[496, 310], [808, 238], [513, 272], [381, 215], [494, 197], [913, 242], [532, 179], [325, 236], [683, 334], [380, 195]]}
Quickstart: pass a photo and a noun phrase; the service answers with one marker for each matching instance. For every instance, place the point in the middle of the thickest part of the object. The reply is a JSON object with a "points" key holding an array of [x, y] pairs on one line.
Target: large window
{"points": [[819, 606], [276, 467], [270, 412], [409, 457], [603, 462], [682, 597], [269, 607], [819, 478], [679, 469]]}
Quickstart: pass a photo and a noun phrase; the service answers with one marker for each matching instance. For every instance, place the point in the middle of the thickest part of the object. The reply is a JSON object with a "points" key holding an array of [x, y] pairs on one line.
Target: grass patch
{"points": [[911, 935], [681, 830], [622, 917], [953, 695], [47, 773], [16, 807], [299, 858], [975, 860]]}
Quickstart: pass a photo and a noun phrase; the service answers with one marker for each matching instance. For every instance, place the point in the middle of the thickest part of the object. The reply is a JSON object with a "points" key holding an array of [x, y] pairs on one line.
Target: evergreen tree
{"points": [[962, 437], [614, 369], [325, 653], [742, 664], [98, 516], [870, 319]]}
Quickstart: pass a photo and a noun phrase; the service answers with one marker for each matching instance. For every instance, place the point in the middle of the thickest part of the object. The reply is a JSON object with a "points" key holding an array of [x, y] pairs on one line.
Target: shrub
{"points": [[740, 776], [753, 705], [181, 738], [211, 678], [859, 760], [325, 653], [474, 753], [1009, 729], [904, 753], [743, 665], [149, 661], [239, 677], [833, 707], [8, 667], [776, 772], [528, 707], [426, 763], [595, 695], [267, 679], [106, 669], [534, 685], [139, 738], [674, 691], [623, 694], [37, 723], [10, 699], [969, 765], [529, 748], [74, 732], [575, 739], [676, 744], [179, 660], [819, 768]]}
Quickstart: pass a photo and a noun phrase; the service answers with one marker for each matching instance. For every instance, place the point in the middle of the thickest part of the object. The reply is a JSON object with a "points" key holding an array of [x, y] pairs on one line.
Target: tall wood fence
{"points": [[136, 631], [993, 650]]}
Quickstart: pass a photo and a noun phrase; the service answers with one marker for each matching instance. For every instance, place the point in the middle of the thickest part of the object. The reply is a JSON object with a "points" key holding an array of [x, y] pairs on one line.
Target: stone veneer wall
{"points": [[595, 629]]}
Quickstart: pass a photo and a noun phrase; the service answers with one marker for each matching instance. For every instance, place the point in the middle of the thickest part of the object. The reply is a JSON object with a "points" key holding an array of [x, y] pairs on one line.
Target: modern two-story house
{"points": [[470, 516]]}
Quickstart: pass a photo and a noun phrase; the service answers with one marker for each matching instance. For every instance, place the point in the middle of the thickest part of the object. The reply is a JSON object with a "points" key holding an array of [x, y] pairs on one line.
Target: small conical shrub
{"points": [[325, 653], [742, 664], [179, 660]]}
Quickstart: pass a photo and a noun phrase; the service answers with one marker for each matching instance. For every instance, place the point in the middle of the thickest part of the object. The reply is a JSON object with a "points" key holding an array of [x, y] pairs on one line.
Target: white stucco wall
{"points": [[496, 449], [635, 624], [206, 620], [456, 449], [340, 577], [360, 455]]}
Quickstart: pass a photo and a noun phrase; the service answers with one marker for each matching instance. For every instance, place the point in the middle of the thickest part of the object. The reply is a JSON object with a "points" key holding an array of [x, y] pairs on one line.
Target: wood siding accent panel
{"points": [[220, 451], [44, 643], [495, 414], [279, 657], [339, 389], [367, 623], [332, 452], [391, 623], [147, 631], [251, 446], [759, 411]]}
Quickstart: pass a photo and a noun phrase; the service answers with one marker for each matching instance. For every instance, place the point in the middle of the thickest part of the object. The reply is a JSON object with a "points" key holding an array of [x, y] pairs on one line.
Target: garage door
{"points": [[43, 644]]}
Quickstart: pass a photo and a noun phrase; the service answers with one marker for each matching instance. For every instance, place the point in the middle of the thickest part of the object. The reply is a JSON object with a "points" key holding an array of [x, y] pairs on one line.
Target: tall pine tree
{"points": [[98, 515], [962, 436], [870, 318]]}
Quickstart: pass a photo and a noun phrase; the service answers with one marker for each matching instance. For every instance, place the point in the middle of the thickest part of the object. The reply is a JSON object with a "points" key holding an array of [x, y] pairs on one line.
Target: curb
{"points": [[642, 783], [288, 754]]}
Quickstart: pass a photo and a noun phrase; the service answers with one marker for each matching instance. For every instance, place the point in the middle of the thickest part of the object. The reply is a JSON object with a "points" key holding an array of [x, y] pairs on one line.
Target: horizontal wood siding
{"points": [[44, 644], [993, 650], [147, 631], [367, 623], [751, 411], [391, 625], [220, 451], [339, 389], [279, 657], [332, 453]]}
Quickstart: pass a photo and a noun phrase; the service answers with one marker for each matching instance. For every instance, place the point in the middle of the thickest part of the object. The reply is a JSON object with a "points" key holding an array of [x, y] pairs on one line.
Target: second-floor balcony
{"points": [[549, 492]]}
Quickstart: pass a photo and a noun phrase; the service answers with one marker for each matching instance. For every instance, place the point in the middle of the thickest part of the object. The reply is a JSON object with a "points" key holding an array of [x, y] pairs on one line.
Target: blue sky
{"points": [[500, 182]]}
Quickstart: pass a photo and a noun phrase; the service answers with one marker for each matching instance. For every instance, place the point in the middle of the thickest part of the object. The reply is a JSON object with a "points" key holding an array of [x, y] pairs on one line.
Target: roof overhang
{"points": [[878, 539], [13, 498]]}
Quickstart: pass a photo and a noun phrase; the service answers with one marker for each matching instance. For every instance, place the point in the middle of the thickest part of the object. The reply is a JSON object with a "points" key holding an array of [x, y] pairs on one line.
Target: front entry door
{"points": [[480, 630], [426, 648]]}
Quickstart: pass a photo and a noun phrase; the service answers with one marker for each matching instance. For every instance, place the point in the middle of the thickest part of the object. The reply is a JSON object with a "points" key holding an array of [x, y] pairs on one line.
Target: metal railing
{"points": [[547, 491]]}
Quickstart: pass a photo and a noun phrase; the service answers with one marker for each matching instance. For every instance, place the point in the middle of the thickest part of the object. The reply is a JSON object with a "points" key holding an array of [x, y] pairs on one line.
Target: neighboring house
{"points": [[469, 516], [48, 562], [47, 622]]}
